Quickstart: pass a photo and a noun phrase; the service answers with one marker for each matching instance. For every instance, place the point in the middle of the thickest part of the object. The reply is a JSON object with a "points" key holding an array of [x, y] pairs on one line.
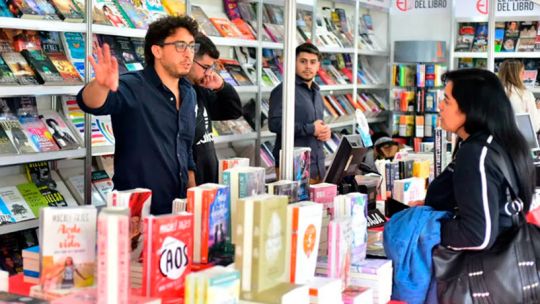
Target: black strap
{"points": [[517, 205]]}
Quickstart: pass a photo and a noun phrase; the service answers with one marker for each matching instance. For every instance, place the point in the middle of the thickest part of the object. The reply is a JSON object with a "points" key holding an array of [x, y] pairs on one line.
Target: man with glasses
{"points": [[152, 112], [216, 100]]}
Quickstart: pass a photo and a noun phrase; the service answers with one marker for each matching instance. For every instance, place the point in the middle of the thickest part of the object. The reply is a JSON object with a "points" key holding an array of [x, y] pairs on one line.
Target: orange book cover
{"points": [[226, 28], [244, 28]]}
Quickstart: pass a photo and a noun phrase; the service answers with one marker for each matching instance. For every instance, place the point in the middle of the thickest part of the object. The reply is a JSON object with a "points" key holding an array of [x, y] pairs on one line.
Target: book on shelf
{"points": [[511, 35], [68, 242], [174, 7], [136, 16], [112, 13], [74, 46], [20, 68], [465, 37], [13, 206], [18, 136], [205, 24], [58, 129], [226, 28], [155, 9], [68, 11], [480, 38], [38, 134], [237, 72], [229, 163], [124, 48]]}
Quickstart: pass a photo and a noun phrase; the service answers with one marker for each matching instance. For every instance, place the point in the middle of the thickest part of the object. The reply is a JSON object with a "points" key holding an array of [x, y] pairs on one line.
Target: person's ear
{"points": [[157, 51]]}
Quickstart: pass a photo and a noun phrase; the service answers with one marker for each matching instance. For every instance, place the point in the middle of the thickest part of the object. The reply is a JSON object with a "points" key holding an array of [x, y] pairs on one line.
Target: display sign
{"points": [[419, 6], [504, 8]]}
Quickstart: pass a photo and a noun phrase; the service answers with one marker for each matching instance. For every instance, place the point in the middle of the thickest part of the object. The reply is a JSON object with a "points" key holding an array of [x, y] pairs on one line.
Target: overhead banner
{"points": [[517, 8], [410, 7], [504, 8]]}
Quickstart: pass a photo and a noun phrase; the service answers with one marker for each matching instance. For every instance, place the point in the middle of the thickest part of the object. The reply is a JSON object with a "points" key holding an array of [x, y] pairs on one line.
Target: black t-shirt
{"points": [[222, 105]]}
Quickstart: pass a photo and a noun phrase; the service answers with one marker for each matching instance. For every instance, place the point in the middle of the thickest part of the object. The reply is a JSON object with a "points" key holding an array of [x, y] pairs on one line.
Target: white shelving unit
{"points": [[8, 160], [39, 90]]}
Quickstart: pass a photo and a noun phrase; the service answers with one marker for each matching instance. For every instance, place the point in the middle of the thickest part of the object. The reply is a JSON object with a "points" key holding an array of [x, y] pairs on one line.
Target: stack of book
{"points": [[376, 274]]}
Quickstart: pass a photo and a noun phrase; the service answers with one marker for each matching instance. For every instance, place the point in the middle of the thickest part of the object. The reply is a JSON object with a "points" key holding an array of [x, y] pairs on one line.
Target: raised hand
{"points": [[106, 68]]}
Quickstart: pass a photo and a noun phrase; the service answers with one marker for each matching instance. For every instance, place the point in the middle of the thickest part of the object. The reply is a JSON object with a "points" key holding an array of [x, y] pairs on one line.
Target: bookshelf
{"points": [[499, 30], [48, 95]]}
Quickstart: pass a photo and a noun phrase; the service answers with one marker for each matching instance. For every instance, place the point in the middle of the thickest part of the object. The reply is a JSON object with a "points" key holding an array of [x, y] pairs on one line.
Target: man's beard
{"points": [[305, 79], [173, 72]]}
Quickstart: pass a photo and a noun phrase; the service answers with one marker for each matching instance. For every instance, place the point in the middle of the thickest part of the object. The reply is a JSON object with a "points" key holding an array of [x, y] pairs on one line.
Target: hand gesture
{"points": [[106, 68], [212, 81], [322, 131]]}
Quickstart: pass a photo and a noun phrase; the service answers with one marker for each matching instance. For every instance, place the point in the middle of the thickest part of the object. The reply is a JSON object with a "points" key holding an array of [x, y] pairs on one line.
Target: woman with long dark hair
{"points": [[476, 108]]}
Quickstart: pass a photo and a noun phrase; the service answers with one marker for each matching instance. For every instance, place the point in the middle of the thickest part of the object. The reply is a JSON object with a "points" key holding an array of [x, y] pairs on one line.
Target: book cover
{"points": [[168, 245], [112, 13], [74, 47], [155, 9], [113, 284], [261, 232], [24, 9], [20, 68], [59, 131], [339, 249], [33, 197], [244, 28], [284, 187], [124, 48], [6, 146], [138, 201], [205, 25], [465, 37], [18, 137], [225, 164], [303, 237], [210, 205], [214, 285], [359, 206], [301, 171], [174, 7], [38, 134], [226, 28], [324, 193], [6, 75], [65, 68], [137, 17], [13, 204], [68, 11], [238, 74], [68, 242], [102, 182]]}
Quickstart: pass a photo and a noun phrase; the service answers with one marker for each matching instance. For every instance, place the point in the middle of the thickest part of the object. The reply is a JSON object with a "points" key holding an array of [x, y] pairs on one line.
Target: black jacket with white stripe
{"points": [[474, 188]]}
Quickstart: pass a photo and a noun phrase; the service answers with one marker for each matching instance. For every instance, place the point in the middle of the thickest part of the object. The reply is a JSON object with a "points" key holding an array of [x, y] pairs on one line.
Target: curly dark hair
{"points": [[160, 29]]}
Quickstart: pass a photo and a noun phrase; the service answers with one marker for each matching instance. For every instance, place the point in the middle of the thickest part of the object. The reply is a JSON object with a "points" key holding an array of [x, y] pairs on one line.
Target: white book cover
{"points": [[113, 256], [324, 290], [339, 249], [303, 237], [359, 226], [13, 204], [76, 185], [68, 247]]}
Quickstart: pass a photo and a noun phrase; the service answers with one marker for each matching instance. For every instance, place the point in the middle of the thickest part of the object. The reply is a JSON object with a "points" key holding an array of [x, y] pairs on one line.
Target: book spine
{"points": [[113, 257], [294, 244], [208, 200]]}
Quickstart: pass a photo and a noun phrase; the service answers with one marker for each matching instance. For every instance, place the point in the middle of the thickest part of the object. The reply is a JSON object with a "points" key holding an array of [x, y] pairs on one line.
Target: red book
{"points": [[167, 252]]}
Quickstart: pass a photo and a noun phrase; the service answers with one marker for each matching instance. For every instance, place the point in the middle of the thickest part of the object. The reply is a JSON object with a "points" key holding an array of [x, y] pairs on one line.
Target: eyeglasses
{"points": [[206, 68], [181, 46]]}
